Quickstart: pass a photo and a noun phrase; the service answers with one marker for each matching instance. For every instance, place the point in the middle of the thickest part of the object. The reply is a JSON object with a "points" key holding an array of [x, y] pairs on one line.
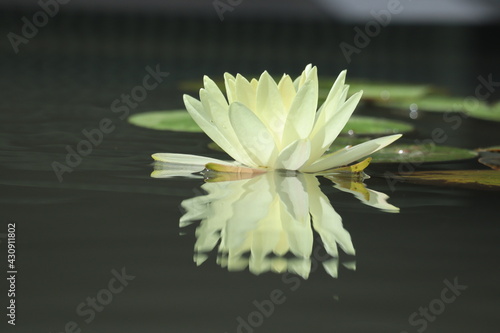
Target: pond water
{"points": [[99, 246]]}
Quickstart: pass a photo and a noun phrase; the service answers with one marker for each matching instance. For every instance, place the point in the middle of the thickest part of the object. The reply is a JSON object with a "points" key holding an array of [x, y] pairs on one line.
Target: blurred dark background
{"points": [[63, 75], [90, 51]]}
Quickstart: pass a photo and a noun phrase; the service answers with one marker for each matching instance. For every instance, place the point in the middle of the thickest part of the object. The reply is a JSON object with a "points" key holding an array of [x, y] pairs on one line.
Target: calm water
{"points": [[108, 217]]}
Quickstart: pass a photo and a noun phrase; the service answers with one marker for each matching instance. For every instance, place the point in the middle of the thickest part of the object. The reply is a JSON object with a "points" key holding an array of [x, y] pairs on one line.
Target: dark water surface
{"points": [[108, 217]]}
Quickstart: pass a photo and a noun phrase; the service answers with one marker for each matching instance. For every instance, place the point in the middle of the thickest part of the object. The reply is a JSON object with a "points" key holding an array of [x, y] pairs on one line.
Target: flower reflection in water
{"points": [[266, 222]]}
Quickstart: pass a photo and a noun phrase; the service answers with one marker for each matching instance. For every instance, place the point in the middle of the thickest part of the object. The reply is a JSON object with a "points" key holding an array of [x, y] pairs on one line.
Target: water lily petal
{"points": [[328, 223], [256, 193], [254, 83], [332, 102], [219, 116], [300, 119], [199, 115], [188, 160], [300, 266], [331, 266], [299, 82], [327, 132], [168, 170], [295, 215], [294, 156], [349, 155], [230, 84], [269, 104], [214, 91], [336, 90], [253, 135], [287, 91], [245, 92], [267, 236], [372, 198]]}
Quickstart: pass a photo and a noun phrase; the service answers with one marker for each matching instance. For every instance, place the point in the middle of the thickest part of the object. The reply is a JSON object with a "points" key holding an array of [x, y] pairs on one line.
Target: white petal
{"points": [[349, 155], [327, 222], [254, 83], [200, 116], [325, 133], [187, 159], [269, 107], [295, 215], [300, 119], [331, 266], [245, 92], [294, 197], [181, 165], [299, 82], [230, 83], [256, 193], [294, 156], [332, 102], [214, 91], [287, 92], [335, 93], [219, 116], [172, 171], [374, 199], [300, 266], [253, 135]]}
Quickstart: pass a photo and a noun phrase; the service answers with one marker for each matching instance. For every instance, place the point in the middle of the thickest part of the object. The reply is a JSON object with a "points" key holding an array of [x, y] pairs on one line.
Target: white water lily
{"points": [[266, 125]]}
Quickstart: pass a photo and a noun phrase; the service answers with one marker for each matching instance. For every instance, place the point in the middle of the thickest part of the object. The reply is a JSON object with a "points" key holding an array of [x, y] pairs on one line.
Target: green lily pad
{"points": [[430, 103], [361, 125], [174, 120], [401, 153], [378, 91], [486, 112], [410, 153], [434, 103], [475, 179]]}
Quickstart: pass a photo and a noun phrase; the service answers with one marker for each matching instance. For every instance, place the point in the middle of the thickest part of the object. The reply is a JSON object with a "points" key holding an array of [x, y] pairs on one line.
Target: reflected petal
{"points": [[265, 223]]}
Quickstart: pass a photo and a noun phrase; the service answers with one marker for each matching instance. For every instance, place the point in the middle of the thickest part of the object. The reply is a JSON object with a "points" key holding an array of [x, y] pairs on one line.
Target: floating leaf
{"points": [[410, 153], [431, 103], [475, 179], [435, 103], [379, 91], [361, 125], [486, 112], [398, 153], [174, 120]]}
